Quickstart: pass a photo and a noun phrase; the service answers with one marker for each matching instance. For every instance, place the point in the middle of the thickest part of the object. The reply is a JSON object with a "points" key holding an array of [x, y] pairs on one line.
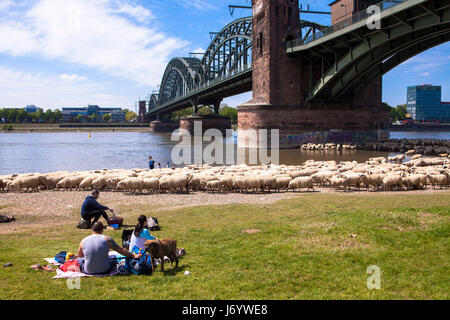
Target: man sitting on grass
{"points": [[93, 253], [92, 209]]}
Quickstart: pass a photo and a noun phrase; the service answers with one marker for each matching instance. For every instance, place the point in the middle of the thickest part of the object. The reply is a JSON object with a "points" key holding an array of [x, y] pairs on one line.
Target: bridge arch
{"points": [[153, 102], [179, 78], [230, 51], [416, 30]]}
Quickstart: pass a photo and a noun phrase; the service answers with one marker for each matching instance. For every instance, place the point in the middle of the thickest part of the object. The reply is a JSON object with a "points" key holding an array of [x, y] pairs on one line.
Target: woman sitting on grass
{"points": [[140, 234]]}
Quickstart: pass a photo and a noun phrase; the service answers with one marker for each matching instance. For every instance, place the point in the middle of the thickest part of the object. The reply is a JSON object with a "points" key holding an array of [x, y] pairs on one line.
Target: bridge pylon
{"points": [[281, 85]]}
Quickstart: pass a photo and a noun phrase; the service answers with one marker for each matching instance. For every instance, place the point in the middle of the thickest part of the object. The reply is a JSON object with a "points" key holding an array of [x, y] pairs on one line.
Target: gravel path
{"points": [[33, 210], [56, 207]]}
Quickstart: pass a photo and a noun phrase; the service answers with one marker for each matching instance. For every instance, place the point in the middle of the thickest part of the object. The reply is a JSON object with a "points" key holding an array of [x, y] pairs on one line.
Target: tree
{"points": [[92, 118], [58, 115], [11, 115], [228, 112], [49, 116], [205, 111], [130, 116], [177, 115], [2, 114], [107, 117], [21, 115], [39, 115], [79, 117], [398, 113]]}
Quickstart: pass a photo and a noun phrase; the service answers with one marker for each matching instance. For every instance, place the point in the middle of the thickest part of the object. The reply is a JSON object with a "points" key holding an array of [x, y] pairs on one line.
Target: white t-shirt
{"points": [[140, 241]]}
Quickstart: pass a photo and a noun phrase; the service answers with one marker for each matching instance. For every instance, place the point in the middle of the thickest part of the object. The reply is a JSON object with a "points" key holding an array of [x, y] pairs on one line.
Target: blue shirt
{"points": [[151, 164]]}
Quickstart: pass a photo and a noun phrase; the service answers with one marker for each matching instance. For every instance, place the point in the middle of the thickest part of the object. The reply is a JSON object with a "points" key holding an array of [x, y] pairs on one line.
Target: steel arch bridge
{"points": [[340, 61], [352, 56], [225, 69]]}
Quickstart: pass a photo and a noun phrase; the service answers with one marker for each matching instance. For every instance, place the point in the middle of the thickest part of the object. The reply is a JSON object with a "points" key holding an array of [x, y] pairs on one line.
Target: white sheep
{"points": [[391, 181], [151, 184], [302, 182], [131, 185]]}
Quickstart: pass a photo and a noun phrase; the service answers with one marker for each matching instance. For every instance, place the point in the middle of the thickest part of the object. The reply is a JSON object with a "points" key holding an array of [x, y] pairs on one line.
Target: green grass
{"points": [[304, 251]]}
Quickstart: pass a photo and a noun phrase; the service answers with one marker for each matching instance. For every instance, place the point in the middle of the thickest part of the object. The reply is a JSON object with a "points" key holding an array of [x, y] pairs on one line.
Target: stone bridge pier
{"points": [[281, 84]]}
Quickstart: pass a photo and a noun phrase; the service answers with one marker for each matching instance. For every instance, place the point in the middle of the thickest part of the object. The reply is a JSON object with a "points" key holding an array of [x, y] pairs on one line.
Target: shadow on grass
{"points": [[169, 271]]}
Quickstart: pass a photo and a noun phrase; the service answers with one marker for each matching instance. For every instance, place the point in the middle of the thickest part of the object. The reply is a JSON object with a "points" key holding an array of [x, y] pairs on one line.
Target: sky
{"points": [[71, 53]]}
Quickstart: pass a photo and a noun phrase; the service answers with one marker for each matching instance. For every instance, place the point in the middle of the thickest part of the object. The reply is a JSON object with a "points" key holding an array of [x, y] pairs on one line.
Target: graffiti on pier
{"points": [[330, 137]]}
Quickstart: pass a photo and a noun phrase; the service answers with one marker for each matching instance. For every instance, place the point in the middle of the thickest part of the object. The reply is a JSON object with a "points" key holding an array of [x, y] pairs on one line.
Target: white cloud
{"points": [[139, 13], [5, 4], [424, 74], [197, 4], [91, 34], [72, 77], [18, 88]]}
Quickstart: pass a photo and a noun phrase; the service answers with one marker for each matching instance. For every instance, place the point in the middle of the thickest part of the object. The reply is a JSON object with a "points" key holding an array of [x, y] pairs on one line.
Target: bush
{"points": [[8, 127]]}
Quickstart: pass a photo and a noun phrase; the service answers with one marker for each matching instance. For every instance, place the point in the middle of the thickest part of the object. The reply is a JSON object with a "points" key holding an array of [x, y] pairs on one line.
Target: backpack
{"points": [[153, 224], [140, 266], [115, 220], [61, 257], [84, 224], [126, 236]]}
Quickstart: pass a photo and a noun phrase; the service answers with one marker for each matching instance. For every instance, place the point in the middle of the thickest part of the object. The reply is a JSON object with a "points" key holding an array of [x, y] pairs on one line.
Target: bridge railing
{"points": [[363, 15], [232, 73]]}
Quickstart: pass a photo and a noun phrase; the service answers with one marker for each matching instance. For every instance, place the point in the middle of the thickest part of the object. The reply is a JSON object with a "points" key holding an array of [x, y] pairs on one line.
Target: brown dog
{"points": [[158, 249]]}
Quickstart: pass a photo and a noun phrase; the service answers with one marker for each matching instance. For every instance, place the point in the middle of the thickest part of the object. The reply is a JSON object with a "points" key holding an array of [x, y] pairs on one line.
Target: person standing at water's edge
{"points": [[151, 163]]}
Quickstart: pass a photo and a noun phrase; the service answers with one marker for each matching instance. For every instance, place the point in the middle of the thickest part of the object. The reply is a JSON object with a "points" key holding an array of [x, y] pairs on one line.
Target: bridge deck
{"points": [[350, 25]]}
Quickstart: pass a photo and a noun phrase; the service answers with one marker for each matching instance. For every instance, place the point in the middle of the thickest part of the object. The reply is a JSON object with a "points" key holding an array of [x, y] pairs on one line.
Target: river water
{"points": [[71, 151]]}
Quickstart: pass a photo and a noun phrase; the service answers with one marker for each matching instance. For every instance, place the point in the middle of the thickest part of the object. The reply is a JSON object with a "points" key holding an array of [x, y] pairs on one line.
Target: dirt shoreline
{"points": [[45, 208]]}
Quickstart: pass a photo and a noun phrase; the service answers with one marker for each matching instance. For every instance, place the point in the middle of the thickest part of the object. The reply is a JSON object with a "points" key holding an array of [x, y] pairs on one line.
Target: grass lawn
{"points": [[315, 246]]}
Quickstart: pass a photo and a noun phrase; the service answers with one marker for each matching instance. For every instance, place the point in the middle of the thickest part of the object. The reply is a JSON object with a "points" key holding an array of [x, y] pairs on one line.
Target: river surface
{"points": [[74, 151]]}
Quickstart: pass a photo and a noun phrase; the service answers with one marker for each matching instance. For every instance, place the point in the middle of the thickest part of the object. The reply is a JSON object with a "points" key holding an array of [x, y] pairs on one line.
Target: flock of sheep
{"points": [[392, 173], [427, 147]]}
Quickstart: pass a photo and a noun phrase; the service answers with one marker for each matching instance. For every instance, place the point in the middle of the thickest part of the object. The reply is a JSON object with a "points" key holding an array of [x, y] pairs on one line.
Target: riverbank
{"points": [[113, 127], [311, 246], [421, 127]]}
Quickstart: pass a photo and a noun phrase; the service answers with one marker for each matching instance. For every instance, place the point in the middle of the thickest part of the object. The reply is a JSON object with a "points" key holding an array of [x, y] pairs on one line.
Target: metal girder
{"points": [[380, 54], [377, 40], [398, 58], [233, 41]]}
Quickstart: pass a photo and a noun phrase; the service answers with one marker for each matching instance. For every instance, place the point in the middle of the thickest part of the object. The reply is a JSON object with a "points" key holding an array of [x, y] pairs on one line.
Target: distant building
{"points": [[425, 104], [70, 114], [32, 108]]}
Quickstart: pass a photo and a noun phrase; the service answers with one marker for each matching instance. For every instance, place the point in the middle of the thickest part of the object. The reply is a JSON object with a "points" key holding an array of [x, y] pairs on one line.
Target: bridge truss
{"points": [[192, 80]]}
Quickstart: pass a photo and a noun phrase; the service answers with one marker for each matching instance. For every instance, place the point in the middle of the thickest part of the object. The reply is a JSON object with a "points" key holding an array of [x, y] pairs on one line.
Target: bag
{"points": [[153, 224], [84, 224], [140, 266], [126, 236], [61, 257], [115, 220], [71, 266]]}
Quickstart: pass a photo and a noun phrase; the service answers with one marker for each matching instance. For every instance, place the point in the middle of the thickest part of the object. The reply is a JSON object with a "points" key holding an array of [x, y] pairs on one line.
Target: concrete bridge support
{"points": [[163, 126], [207, 121]]}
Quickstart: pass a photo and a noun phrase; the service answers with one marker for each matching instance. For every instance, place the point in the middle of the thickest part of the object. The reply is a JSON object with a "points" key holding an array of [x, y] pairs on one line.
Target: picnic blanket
{"points": [[72, 275]]}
